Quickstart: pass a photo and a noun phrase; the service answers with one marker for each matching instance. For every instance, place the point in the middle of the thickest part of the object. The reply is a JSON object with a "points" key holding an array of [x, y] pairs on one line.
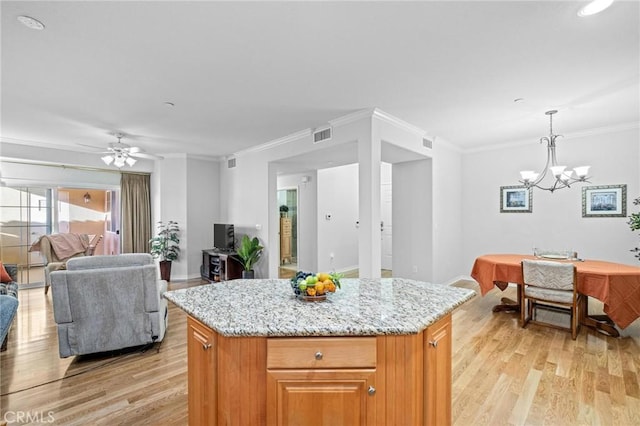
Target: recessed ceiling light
{"points": [[169, 104], [30, 22], [596, 6], [518, 100]]}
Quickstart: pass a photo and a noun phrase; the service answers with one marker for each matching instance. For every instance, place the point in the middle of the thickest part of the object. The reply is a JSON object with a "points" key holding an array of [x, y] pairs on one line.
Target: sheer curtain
{"points": [[136, 212]]}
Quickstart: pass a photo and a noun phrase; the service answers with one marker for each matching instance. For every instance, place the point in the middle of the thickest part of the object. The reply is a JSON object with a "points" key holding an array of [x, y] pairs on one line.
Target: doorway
{"points": [[288, 211]]}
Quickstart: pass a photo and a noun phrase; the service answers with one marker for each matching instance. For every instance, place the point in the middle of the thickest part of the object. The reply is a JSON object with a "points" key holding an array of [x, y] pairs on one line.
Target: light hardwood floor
{"points": [[502, 374]]}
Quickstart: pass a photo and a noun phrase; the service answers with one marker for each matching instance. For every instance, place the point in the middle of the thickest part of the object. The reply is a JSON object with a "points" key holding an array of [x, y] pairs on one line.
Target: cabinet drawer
{"points": [[321, 352]]}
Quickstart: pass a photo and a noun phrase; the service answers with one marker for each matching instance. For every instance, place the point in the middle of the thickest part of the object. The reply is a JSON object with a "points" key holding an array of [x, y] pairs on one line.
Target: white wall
{"points": [[203, 210], [172, 175], [338, 197], [413, 249], [556, 221], [447, 213], [187, 190], [249, 189]]}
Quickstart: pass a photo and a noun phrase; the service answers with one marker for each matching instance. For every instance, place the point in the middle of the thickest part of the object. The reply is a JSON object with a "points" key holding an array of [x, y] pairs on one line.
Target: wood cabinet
{"points": [[201, 374], [437, 349], [369, 380], [218, 266], [285, 240], [325, 381]]}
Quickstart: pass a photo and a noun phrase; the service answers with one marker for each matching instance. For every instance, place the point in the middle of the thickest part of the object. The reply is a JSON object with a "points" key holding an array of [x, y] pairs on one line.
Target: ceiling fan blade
{"points": [[145, 155], [91, 146]]}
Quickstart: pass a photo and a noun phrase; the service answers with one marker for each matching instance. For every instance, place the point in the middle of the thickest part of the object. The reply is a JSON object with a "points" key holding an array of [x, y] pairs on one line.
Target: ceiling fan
{"points": [[120, 153]]}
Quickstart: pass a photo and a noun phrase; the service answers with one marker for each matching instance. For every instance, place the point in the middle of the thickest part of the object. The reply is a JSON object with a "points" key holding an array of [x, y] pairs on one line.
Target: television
{"points": [[223, 237]]}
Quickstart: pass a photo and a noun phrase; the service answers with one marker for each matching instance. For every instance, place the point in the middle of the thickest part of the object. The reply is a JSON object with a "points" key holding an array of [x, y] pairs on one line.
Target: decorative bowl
{"points": [[311, 287]]}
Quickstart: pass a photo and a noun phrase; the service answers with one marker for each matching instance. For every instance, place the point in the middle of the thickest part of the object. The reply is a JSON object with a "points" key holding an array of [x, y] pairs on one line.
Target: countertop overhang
{"points": [[363, 307]]}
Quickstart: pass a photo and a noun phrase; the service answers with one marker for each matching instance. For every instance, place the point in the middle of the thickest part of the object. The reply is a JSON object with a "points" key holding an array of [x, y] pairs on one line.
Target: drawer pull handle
{"points": [[206, 346], [434, 343], [318, 355], [371, 391]]}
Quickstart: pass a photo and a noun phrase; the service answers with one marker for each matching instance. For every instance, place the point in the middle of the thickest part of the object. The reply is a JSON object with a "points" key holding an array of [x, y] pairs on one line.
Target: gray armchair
{"points": [[105, 303]]}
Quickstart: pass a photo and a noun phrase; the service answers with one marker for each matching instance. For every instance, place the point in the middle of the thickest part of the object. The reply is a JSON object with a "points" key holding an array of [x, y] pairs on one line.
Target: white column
{"points": [[369, 235]]}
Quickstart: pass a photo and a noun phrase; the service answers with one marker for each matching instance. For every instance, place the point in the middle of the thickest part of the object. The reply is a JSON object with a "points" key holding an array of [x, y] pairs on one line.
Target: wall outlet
{"points": [[415, 268], [331, 256]]}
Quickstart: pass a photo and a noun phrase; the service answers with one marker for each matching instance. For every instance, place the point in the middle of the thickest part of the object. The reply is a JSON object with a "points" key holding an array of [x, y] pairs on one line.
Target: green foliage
{"points": [[165, 245], [250, 251], [284, 208], [634, 224]]}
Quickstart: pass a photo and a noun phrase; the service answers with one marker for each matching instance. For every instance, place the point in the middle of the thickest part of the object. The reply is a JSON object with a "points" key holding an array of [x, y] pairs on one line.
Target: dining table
{"points": [[616, 285]]}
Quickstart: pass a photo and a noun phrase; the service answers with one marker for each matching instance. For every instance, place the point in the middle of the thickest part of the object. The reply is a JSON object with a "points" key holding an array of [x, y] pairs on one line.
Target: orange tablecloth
{"points": [[615, 284]]}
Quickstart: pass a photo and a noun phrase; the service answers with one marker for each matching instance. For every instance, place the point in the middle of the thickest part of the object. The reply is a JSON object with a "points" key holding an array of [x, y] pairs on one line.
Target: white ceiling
{"points": [[241, 74]]}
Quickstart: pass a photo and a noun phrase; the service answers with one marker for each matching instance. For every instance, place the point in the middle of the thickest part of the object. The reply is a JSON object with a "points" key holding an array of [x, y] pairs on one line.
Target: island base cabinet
{"points": [[375, 380], [201, 373], [437, 373], [319, 398]]}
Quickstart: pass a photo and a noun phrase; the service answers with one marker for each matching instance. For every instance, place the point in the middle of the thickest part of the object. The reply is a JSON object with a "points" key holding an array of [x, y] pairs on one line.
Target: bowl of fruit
{"points": [[312, 287]]}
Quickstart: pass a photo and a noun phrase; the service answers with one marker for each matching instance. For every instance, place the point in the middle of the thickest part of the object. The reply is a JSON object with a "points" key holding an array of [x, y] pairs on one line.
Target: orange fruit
{"points": [[319, 288], [311, 291]]}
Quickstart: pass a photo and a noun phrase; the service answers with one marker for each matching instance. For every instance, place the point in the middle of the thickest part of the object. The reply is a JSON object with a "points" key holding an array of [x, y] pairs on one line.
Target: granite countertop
{"points": [[363, 307]]}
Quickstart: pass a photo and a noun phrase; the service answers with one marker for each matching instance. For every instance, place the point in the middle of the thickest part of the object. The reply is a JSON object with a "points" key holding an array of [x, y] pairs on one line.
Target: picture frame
{"points": [[604, 201], [516, 199]]}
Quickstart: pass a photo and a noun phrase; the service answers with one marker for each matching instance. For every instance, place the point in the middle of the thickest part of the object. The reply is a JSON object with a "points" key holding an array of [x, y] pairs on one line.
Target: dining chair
{"points": [[550, 285]]}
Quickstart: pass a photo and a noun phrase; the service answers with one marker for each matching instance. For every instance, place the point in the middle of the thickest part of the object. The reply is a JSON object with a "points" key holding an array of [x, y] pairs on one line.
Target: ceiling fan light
{"points": [[131, 161], [108, 159], [596, 6], [119, 162]]}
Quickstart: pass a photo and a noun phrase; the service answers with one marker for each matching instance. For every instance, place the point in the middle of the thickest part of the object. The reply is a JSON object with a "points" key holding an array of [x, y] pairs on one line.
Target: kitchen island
{"points": [[376, 352]]}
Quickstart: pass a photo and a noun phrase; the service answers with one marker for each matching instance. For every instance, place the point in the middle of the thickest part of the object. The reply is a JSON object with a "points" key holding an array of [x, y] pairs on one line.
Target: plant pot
{"points": [[165, 270], [248, 275]]}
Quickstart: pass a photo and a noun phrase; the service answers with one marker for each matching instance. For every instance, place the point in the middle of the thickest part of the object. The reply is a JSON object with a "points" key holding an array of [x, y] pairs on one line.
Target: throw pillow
{"points": [[4, 275]]}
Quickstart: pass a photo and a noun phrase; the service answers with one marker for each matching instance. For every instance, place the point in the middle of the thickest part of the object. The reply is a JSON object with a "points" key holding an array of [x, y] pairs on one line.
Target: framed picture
{"points": [[604, 201], [515, 199]]}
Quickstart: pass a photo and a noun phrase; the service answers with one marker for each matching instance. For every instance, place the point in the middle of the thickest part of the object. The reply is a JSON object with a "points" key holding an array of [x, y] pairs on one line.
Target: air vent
{"points": [[427, 143], [322, 135], [231, 163]]}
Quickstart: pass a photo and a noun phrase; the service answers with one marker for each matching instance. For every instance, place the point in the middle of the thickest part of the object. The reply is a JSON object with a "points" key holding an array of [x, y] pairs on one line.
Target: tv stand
{"points": [[220, 265]]}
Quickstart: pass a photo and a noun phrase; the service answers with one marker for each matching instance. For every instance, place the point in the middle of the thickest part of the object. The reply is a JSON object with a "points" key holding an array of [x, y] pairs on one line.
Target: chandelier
{"points": [[563, 178]]}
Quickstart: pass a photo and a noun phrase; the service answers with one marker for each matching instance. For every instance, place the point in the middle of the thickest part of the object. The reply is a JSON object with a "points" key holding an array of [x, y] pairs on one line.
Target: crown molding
{"points": [[271, 144], [351, 118], [585, 133], [337, 122], [378, 113]]}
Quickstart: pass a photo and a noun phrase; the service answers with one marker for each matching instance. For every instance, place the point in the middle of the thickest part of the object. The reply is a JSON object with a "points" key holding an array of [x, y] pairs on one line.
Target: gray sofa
{"points": [[105, 303], [8, 303]]}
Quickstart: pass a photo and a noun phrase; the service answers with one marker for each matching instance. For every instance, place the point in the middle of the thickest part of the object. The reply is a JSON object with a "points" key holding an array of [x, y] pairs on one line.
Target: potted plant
{"points": [[249, 253], [634, 224], [165, 246], [284, 209]]}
